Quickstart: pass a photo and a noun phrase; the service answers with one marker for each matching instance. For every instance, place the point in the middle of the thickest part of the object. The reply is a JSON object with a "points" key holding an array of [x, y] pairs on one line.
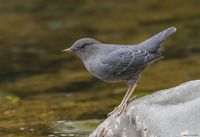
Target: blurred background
{"points": [[40, 86]]}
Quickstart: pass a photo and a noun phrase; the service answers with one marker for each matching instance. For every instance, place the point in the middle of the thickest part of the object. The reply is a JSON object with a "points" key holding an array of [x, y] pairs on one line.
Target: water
{"points": [[73, 128], [54, 129]]}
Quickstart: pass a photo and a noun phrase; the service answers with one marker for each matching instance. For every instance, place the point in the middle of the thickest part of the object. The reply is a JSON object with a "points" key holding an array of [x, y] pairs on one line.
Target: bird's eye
{"points": [[83, 46]]}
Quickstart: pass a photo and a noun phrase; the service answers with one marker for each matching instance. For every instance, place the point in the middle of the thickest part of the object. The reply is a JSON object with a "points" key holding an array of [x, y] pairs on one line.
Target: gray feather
{"points": [[154, 43], [127, 61]]}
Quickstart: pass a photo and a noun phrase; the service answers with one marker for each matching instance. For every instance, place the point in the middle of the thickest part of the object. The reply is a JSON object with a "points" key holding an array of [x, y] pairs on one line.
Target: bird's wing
{"points": [[125, 61]]}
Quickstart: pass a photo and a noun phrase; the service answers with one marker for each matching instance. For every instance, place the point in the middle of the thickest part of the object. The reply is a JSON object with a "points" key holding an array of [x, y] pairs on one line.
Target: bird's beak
{"points": [[69, 49]]}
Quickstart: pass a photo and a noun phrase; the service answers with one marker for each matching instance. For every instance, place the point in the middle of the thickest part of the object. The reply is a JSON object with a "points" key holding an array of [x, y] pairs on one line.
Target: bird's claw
{"points": [[133, 98], [120, 109], [112, 112]]}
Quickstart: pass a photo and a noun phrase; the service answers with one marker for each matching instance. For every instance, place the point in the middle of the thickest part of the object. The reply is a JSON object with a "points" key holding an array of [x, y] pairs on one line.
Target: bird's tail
{"points": [[154, 43]]}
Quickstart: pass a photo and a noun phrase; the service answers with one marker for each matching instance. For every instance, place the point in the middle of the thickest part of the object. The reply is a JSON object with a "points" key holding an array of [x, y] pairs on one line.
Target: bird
{"points": [[120, 63]]}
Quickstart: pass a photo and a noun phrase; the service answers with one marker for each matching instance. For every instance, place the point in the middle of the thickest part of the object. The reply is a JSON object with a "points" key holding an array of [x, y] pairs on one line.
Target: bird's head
{"points": [[83, 47]]}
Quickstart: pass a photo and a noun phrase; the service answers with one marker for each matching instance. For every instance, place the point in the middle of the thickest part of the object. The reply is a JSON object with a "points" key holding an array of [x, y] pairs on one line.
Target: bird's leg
{"points": [[126, 95], [116, 108], [125, 100]]}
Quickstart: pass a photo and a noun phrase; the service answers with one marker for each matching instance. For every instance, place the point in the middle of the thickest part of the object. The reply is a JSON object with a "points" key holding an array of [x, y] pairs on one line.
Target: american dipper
{"points": [[120, 63]]}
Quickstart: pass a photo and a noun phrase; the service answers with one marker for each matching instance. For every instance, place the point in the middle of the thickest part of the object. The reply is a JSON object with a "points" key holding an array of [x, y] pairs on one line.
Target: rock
{"points": [[73, 128], [173, 112]]}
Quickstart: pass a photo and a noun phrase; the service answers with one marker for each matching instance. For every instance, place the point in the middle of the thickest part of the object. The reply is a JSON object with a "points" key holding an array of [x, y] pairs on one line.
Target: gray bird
{"points": [[120, 63]]}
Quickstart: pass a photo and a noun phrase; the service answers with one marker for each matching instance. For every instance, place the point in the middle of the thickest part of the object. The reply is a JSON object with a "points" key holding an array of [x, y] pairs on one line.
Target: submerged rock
{"points": [[173, 112], [73, 128]]}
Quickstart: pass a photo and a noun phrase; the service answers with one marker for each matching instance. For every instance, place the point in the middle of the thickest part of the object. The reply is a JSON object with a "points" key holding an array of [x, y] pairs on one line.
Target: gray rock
{"points": [[173, 112]]}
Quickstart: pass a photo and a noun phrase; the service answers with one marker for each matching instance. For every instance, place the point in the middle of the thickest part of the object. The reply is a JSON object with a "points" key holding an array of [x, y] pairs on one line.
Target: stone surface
{"points": [[173, 112]]}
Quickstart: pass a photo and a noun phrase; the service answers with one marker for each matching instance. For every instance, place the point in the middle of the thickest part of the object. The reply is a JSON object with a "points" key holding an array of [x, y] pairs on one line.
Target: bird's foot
{"points": [[115, 109], [120, 109], [131, 99]]}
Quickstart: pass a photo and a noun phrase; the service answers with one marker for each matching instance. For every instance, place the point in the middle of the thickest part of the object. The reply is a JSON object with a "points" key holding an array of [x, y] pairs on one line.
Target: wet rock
{"points": [[173, 112]]}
